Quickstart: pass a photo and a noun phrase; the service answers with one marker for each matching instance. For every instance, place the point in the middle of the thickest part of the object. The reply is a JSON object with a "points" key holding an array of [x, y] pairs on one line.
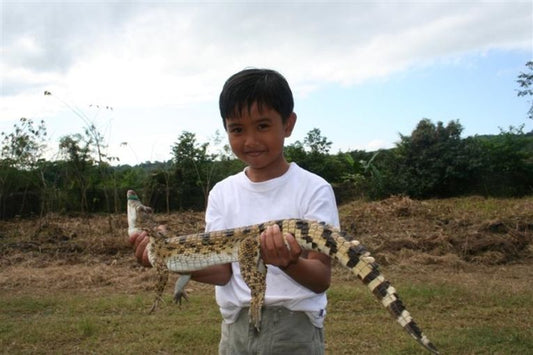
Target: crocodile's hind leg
{"points": [[253, 272], [179, 288]]}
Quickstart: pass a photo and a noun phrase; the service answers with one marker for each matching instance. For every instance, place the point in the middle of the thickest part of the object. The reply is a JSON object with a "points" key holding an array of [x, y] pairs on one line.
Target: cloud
{"points": [[146, 56], [181, 52]]}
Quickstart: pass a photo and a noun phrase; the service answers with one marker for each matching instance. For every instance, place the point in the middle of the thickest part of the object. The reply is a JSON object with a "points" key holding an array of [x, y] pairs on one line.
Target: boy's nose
{"points": [[250, 140]]}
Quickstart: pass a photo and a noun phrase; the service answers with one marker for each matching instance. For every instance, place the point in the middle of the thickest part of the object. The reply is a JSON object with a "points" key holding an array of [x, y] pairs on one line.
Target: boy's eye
{"points": [[262, 126], [235, 130]]}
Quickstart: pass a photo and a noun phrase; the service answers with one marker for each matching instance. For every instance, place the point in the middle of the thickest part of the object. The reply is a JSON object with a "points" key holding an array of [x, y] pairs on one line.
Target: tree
{"points": [[525, 80], [96, 140], [20, 152], [161, 178], [193, 166], [76, 150], [313, 155], [507, 163], [295, 152], [316, 142], [25, 145], [362, 174], [432, 160]]}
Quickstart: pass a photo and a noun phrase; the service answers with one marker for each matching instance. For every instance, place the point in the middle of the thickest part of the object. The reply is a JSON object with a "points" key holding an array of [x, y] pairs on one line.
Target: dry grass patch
{"points": [[452, 232]]}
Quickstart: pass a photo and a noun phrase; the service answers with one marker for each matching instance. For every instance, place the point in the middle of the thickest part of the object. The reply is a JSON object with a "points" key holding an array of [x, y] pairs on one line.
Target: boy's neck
{"points": [[267, 173]]}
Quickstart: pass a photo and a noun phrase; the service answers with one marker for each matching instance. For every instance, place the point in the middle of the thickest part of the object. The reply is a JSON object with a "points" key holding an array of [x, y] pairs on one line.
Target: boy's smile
{"points": [[257, 138]]}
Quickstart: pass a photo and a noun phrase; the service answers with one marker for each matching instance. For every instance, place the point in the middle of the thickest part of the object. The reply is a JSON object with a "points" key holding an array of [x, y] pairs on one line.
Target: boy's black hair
{"points": [[266, 87]]}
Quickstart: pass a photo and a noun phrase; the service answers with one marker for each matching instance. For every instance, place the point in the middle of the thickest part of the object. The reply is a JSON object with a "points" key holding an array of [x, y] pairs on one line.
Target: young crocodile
{"points": [[184, 254]]}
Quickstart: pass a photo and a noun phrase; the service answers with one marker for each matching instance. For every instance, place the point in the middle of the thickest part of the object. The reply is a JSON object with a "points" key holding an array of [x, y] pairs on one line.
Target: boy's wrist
{"points": [[291, 263]]}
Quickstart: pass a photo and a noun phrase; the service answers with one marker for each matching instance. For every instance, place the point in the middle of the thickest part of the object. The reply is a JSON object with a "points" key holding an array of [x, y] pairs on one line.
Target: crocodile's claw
{"points": [[156, 303], [179, 288], [178, 296]]}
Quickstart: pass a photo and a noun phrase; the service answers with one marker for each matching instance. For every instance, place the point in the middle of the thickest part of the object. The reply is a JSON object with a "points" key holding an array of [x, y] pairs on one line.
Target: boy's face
{"points": [[257, 138]]}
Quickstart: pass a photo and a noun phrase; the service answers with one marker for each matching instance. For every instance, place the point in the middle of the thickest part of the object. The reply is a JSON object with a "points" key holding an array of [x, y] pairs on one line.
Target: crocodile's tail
{"points": [[352, 255], [358, 260]]}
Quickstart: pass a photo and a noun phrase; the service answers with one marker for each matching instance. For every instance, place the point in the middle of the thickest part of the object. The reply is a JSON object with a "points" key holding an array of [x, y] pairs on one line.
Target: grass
{"points": [[463, 268], [458, 318], [461, 312], [71, 322]]}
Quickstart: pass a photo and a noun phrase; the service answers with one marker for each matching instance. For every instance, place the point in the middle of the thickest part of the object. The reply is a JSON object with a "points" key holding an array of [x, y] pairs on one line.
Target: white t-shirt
{"points": [[237, 202]]}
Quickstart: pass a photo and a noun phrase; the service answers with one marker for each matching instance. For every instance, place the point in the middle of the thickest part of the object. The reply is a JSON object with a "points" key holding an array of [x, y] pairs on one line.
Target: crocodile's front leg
{"points": [[135, 210], [253, 271], [162, 279]]}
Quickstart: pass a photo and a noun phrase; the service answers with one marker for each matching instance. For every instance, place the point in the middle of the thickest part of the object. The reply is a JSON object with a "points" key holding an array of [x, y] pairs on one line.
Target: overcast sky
{"points": [[362, 72]]}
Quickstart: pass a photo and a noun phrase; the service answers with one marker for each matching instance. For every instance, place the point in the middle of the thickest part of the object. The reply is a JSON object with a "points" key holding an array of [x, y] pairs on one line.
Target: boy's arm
{"points": [[310, 269], [214, 275]]}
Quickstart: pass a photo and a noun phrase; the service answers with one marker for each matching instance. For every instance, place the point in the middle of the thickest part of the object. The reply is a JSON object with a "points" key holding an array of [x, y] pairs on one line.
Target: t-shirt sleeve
{"points": [[322, 206]]}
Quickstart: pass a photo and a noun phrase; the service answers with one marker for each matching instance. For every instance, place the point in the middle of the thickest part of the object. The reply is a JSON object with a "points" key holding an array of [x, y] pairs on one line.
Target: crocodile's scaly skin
{"points": [[184, 254]]}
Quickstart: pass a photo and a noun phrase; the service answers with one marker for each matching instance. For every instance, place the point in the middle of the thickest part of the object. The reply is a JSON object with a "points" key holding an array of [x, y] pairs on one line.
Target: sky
{"points": [[362, 72]]}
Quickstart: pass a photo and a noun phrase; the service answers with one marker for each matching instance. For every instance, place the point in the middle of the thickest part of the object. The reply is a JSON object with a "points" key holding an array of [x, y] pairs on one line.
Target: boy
{"points": [[256, 106]]}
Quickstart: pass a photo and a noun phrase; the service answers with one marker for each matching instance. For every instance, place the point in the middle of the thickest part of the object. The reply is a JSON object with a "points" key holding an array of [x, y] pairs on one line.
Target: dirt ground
{"points": [[59, 252]]}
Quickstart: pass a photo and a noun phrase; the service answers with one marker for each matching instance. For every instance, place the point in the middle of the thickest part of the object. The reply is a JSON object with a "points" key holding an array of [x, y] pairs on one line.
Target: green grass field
{"points": [[463, 312]]}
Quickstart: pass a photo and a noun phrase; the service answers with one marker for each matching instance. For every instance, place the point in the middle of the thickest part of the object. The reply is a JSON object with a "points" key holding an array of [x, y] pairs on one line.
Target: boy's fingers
{"points": [[145, 261], [269, 237], [133, 237], [141, 248], [277, 239], [136, 237], [139, 241], [273, 245], [294, 248]]}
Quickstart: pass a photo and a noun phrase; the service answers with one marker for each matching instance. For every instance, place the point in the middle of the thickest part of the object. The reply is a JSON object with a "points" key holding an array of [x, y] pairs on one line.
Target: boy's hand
{"points": [[139, 240], [312, 270], [279, 249]]}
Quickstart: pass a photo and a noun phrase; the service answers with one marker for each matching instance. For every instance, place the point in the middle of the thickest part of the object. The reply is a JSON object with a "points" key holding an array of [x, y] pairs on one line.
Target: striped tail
{"points": [[366, 269], [355, 257]]}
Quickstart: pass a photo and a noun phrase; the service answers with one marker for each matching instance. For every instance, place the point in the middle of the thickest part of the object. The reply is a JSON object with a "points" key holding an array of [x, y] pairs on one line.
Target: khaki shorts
{"points": [[282, 332]]}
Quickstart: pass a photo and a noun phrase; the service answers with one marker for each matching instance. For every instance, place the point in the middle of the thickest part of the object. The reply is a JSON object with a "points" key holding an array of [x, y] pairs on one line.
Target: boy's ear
{"points": [[289, 124]]}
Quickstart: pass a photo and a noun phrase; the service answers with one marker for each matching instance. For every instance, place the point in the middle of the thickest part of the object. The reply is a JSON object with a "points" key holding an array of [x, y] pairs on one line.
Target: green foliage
{"points": [[364, 176], [23, 147], [313, 155], [525, 80], [20, 153], [295, 152], [317, 143], [433, 161], [193, 169], [506, 167], [78, 167]]}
